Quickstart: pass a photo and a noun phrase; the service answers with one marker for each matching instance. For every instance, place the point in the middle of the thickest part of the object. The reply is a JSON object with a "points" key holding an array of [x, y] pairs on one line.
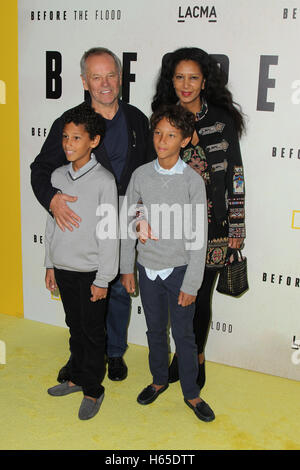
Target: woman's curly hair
{"points": [[215, 91], [84, 114]]}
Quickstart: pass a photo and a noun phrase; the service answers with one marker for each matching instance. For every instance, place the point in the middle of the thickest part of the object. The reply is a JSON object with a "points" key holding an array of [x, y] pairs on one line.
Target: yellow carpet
{"points": [[253, 411]]}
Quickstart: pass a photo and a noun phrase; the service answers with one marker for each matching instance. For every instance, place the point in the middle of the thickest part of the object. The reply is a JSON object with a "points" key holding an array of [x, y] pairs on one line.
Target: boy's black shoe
{"points": [[117, 369], [149, 394], [202, 410]]}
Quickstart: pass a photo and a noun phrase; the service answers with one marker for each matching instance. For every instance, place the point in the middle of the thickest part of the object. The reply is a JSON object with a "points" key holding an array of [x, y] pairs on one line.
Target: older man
{"points": [[123, 149]]}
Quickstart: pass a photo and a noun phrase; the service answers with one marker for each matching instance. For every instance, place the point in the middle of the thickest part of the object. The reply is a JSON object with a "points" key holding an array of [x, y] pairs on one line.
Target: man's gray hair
{"points": [[99, 51]]}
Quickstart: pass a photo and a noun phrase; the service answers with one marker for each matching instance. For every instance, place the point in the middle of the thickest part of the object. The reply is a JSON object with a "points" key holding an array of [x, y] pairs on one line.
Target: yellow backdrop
{"points": [[11, 296]]}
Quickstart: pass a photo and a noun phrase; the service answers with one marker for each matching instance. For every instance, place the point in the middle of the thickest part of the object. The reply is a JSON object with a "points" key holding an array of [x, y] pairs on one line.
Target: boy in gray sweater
{"points": [[82, 262], [171, 262]]}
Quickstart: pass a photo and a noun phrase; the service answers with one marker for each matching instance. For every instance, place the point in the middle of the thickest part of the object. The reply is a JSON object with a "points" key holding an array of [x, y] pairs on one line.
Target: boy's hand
{"points": [[63, 215], [50, 280], [127, 280], [144, 231], [185, 299], [98, 293]]}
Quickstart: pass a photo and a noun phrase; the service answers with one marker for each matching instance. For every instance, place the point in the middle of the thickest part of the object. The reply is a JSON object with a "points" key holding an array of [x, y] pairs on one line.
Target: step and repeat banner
{"points": [[261, 330]]}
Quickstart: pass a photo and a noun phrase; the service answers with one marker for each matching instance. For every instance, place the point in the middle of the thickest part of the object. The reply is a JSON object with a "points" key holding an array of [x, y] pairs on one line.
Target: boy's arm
{"points": [[49, 232], [130, 209], [198, 228], [107, 234], [127, 226], [49, 277]]}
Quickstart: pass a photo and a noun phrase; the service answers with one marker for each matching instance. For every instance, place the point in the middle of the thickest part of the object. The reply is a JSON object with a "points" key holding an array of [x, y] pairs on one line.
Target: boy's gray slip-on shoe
{"points": [[63, 389], [88, 408]]}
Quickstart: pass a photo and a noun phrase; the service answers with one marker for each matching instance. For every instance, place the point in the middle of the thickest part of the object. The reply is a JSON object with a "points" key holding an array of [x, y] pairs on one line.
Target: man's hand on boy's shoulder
{"points": [[62, 213], [98, 293], [185, 299], [128, 281], [50, 280]]}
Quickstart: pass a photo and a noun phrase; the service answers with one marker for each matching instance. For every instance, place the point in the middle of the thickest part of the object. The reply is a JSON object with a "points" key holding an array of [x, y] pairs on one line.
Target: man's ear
{"points": [[84, 82]]}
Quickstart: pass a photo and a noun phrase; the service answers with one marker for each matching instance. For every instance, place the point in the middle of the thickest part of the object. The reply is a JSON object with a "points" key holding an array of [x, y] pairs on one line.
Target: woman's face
{"points": [[188, 82]]}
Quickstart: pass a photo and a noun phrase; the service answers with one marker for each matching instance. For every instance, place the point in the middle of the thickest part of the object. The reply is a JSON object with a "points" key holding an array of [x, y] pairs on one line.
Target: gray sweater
{"points": [[175, 207], [82, 249]]}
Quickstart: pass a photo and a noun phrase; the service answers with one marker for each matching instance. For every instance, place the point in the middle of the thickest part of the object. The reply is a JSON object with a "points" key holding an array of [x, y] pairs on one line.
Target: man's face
{"points": [[102, 80]]}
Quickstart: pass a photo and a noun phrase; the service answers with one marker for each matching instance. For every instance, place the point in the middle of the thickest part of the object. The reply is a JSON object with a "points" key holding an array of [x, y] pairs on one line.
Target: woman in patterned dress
{"points": [[193, 79]]}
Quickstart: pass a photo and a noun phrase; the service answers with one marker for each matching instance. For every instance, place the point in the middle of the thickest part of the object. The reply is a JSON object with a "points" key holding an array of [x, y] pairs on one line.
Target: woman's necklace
{"points": [[202, 113]]}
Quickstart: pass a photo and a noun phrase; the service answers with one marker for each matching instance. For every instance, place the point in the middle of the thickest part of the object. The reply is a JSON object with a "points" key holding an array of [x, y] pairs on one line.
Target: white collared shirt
{"points": [[176, 169]]}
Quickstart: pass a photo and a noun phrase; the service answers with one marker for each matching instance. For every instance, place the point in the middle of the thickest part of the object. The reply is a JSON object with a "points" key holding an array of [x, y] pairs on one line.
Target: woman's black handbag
{"points": [[233, 278]]}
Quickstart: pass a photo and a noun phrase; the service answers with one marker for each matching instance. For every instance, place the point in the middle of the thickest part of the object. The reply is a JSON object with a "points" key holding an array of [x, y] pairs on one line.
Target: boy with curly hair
{"points": [[82, 262]]}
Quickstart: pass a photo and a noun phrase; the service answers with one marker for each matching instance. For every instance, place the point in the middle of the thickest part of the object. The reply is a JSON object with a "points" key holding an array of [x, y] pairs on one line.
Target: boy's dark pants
{"points": [[86, 321], [158, 297]]}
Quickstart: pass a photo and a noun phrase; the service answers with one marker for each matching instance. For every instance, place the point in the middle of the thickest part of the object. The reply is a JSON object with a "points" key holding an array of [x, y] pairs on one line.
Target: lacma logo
{"points": [[197, 12], [2, 92]]}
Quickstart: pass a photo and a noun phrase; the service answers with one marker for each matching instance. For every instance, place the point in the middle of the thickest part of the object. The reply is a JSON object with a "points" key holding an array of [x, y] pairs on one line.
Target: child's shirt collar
{"points": [[176, 169], [84, 169]]}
